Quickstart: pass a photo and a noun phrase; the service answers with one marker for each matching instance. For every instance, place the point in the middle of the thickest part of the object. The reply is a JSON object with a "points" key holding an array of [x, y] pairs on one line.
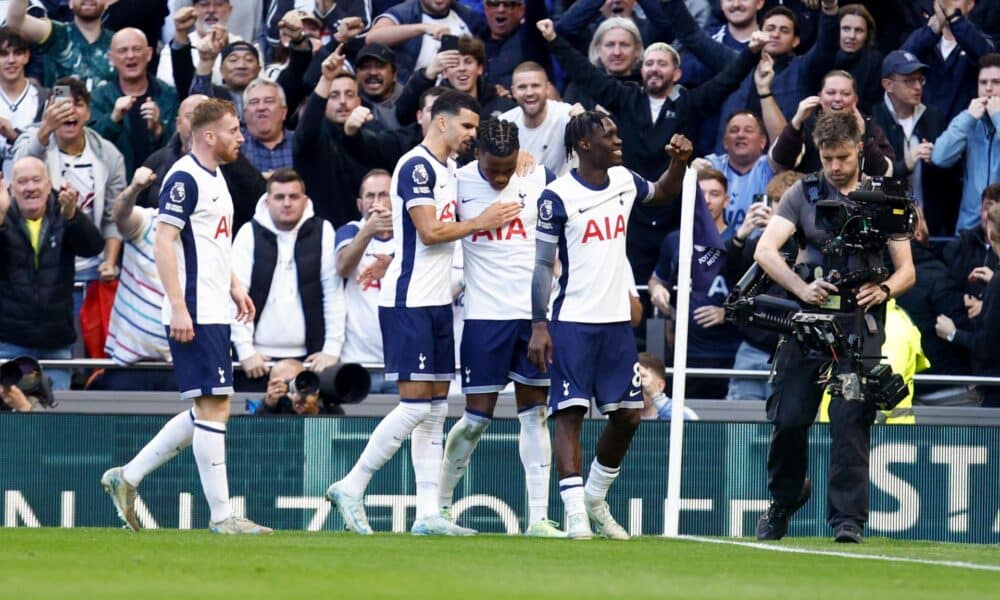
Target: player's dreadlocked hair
{"points": [[497, 137], [580, 127]]}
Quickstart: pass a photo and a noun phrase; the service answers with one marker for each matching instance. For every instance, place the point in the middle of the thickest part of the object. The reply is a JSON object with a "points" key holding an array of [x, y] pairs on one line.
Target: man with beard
{"points": [[268, 144], [79, 48], [136, 112], [540, 121], [193, 258], [510, 38], [734, 34], [331, 175], [414, 29], [415, 314], [376, 69], [648, 116], [794, 148], [192, 24]]}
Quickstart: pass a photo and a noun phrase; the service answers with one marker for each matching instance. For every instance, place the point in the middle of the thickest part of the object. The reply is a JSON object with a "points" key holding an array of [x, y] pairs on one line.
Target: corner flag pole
{"points": [[680, 353]]}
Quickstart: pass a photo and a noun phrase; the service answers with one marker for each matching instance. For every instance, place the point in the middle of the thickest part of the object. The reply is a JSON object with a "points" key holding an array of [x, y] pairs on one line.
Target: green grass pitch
{"points": [[108, 563]]}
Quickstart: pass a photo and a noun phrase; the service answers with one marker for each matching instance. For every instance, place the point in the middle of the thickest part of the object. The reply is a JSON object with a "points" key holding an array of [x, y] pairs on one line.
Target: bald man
{"points": [[136, 112], [37, 269]]}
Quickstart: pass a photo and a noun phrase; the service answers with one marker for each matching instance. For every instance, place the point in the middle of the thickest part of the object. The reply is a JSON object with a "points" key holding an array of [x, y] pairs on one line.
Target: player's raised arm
{"points": [[668, 186], [434, 231]]}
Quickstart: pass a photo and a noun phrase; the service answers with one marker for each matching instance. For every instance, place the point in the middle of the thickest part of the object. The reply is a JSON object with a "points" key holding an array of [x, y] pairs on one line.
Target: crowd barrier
{"points": [[927, 482]]}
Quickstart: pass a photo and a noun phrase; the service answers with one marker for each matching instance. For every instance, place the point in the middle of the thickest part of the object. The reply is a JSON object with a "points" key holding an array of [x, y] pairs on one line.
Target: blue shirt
{"points": [[266, 159], [742, 187]]}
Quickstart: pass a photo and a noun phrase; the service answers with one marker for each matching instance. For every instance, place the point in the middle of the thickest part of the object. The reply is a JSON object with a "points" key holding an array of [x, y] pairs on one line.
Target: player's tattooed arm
{"points": [[668, 186]]}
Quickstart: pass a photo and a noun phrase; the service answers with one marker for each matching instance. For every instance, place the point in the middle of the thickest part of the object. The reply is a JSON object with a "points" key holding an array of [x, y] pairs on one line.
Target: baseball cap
{"points": [[902, 62], [239, 45], [378, 52]]}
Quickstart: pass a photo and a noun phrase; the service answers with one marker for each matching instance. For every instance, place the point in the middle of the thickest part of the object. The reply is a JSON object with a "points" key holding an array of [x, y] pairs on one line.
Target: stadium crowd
{"points": [[97, 97]]}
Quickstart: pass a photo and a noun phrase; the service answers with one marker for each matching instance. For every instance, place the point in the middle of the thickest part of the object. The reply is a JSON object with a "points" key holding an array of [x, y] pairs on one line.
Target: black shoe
{"points": [[773, 524], [847, 533]]}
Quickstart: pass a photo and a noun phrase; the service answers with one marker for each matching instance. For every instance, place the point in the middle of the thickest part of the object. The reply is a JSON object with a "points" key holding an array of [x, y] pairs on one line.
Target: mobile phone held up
{"points": [[61, 92], [449, 42], [762, 198]]}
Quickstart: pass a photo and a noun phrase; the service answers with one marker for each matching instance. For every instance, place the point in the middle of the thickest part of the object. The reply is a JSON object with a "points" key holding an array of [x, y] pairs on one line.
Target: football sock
{"points": [[384, 442], [175, 436], [209, 445], [536, 456], [462, 441], [426, 448], [600, 479], [571, 490]]}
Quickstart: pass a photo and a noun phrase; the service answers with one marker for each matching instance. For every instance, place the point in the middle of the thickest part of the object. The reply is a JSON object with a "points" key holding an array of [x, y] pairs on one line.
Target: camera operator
{"points": [[290, 394], [798, 371]]}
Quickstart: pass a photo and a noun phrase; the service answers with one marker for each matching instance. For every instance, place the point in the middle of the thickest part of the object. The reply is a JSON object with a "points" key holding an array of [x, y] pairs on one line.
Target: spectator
{"points": [[952, 46], [746, 166], [616, 50], [76, 157], [78, 49], [41, 233], [970, 251], [280, 400], [240, 66], [360, 244], [382, 149], [331, 18], [540, 121], [135, 112], [648, 116], [858, 54], [134, 330], [757, 345], [511, 39], [377, 83], [192, 25], [911, 128], [284, 257], [933, 294], [794, 148], [981, 341], [246, 17], [414, 29], [712, 342], [318, 153], [146, 15], [973, 134], [23, 101], [268, 144], [655, 402], [740, 23], [583, 24]]}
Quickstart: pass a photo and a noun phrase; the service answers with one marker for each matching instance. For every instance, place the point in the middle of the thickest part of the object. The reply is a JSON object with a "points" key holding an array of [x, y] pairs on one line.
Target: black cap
{"points": [[240, 45], [378, 52], [902, 62]]}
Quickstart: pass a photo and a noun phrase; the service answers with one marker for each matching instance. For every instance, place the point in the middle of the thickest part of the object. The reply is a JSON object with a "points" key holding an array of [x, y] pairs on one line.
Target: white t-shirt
{"points": [[499, 263], [20, 111], [419, 275], [589, 226], [197, 201], [544, 142], [78, 173], [362, 335]]}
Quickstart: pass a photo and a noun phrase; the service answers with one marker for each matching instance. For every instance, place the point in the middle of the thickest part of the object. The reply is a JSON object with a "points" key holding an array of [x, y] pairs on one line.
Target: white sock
{"points": [[536, 456], [175, 436], [571, 490], [209, 445], [600, 479], [383, 443], [462, 441], [426, 448]]}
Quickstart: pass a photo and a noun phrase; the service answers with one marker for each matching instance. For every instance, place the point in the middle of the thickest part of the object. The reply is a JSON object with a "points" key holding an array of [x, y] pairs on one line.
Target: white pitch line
{"points": [[789, 549]]}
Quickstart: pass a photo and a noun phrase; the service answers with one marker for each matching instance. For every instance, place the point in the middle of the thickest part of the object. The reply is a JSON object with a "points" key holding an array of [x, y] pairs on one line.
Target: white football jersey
{"points": [[419, 275], [589, 225], [197, 201], [362, 335], [544, 142], [499, 263]]}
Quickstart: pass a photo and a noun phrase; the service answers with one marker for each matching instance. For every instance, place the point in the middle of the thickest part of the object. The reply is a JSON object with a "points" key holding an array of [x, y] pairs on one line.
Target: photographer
{"points": [[798, 370], [289, 393]]}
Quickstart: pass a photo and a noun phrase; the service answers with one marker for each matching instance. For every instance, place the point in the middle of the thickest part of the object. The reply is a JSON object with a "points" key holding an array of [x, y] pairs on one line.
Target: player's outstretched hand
{"points": [[498, 214], [245, 310], [181, 327], [540, 346]]}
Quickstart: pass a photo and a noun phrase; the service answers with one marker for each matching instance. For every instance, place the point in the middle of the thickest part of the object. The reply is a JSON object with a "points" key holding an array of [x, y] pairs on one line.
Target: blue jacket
{"points": [[410, 12], [951, 84], [977, 140]]}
